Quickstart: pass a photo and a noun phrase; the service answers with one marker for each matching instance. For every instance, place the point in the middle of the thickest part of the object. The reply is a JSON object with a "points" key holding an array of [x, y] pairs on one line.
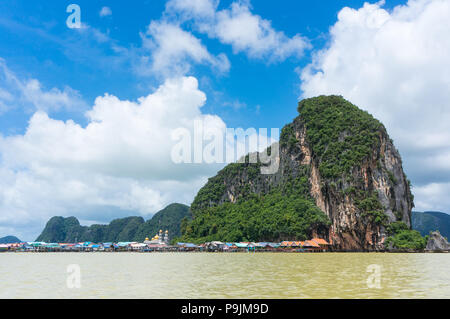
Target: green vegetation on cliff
{"points": [[340, 134], [60, 229], [272, 217], [370, 207], [287, 137], [403, 238], [214, 190], [285, 212]]}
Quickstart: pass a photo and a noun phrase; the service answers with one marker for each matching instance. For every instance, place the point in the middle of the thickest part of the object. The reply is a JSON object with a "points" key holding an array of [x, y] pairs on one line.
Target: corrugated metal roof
{"points": [[310, 243], [320, 241]]}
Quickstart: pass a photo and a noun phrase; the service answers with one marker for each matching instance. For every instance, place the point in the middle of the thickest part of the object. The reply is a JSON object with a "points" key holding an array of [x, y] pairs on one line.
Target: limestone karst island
{"points": [[340, 187]]}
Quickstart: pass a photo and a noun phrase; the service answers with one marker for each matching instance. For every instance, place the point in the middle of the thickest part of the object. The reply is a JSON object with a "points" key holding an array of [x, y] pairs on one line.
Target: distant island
{"points": [[9, 240], [427, 222], [69, 230]]}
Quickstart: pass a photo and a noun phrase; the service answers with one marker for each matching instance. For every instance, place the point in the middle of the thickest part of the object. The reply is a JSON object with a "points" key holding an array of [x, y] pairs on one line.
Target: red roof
{"points": [[320, 241]]}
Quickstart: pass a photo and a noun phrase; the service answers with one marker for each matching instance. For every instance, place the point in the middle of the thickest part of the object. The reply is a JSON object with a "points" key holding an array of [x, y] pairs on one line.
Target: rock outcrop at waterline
{"points": [[333, 155], [436, 243]]}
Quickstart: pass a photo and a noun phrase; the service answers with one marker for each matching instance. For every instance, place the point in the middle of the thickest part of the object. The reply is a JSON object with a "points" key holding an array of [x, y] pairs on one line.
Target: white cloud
{"points": [[105, 11], [173, 50], [194, 8], [433, 197], [250, 33], [235, 104], [119, 162], [396, 65], [29, 94], [239, 27]]}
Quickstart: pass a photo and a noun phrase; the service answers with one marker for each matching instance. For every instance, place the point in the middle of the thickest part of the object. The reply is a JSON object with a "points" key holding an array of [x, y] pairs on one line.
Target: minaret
{"points": [[160, 236], [166, 237]]}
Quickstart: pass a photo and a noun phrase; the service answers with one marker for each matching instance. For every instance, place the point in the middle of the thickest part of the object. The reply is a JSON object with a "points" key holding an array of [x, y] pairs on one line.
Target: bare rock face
{"points": [[437, 242], [353, 170], [380, 174]]}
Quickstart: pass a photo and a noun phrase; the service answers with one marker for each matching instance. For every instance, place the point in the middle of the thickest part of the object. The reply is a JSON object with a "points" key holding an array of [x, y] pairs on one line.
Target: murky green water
{"points": [[239, 275]]}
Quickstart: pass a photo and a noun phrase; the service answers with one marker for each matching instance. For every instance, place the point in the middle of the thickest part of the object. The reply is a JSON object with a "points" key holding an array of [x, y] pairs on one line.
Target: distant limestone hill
{"points": [[9, 240], [427, 222], [60, 229], [340, 178]]}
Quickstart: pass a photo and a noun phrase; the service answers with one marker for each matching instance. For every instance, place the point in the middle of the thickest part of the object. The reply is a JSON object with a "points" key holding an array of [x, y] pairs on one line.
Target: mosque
{"points": [[159, 239]]}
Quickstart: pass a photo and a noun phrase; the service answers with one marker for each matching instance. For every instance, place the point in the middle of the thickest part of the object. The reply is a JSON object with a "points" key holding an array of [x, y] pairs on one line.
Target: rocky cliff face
{"points": [[353, 172], [380, 175]]}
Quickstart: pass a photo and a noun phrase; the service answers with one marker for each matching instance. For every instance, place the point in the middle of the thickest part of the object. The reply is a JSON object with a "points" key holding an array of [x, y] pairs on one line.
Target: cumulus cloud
{"points": [[396, 65], [173, 50], [249, 33], [239, 27], [30, 95], [119, 162]]}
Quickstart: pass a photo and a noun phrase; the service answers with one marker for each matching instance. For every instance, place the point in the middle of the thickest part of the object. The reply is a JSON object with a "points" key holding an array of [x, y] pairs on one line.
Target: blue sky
{"points": [[36, 43], [58, 83]]}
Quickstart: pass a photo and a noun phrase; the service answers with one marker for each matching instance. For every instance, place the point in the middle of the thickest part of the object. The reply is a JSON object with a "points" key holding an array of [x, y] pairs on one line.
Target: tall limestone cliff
{"points": [[340, 177]]}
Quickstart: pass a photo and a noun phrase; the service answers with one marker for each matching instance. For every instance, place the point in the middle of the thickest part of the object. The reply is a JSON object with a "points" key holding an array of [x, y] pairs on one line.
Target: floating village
{"points": [[160, 243]]}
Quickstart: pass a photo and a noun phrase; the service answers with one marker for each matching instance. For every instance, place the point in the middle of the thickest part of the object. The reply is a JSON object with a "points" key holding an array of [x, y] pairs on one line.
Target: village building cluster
{"points": [[160, 243]]}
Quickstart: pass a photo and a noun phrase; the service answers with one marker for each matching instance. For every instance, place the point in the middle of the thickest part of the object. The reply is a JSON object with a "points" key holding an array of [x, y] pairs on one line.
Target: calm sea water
{"points": [[216, 275]]}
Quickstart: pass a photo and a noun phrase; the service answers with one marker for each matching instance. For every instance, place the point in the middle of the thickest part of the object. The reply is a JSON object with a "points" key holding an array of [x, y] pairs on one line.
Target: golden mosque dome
{"points": [[156, 237], [167, 231], [146, 238]]}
